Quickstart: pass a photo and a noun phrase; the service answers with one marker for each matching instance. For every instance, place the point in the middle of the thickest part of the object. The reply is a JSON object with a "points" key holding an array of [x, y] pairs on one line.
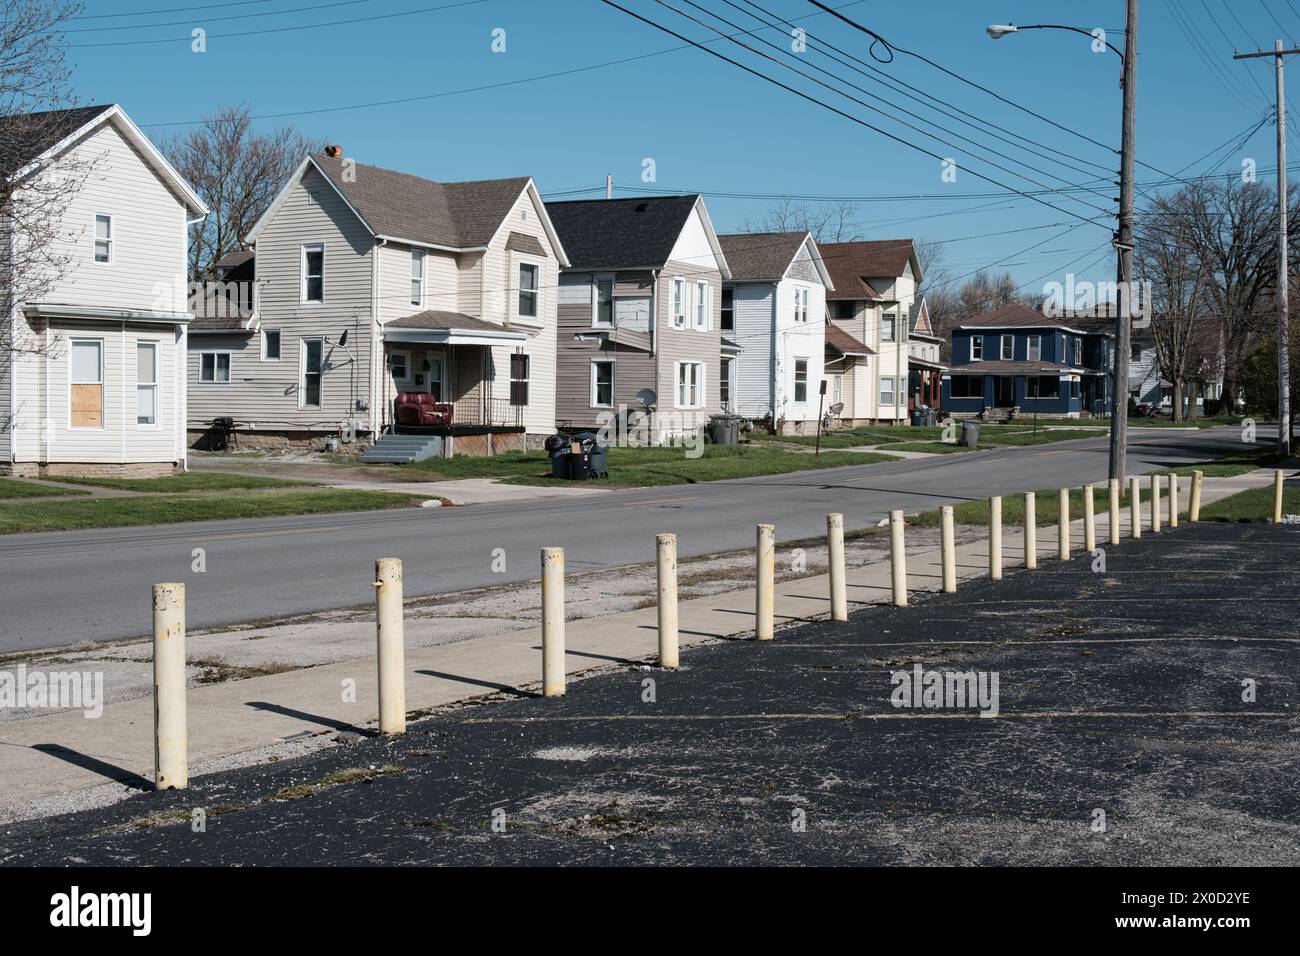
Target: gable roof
{"points": [[34, 137], [845, 344], [1016, 315], [399, 206], [634, 233], [852, 264], [761, 255]]}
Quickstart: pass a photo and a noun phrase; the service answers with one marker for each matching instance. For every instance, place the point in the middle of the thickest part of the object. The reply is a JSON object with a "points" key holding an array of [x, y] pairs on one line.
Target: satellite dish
{"points": [[647, 397], [836, 408]]}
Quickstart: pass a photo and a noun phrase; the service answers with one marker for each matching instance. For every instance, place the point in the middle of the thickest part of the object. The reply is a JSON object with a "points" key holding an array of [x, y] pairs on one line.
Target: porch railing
{"points": [[488, 411]]}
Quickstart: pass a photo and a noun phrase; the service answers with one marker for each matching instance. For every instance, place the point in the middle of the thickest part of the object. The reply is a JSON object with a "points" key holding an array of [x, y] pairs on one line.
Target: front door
{"points": [[1006, 391]]}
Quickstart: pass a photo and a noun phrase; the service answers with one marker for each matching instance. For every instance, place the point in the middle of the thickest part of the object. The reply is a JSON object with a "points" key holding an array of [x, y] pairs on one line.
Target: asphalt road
{"points": [[62, 588], [1122, 737]]}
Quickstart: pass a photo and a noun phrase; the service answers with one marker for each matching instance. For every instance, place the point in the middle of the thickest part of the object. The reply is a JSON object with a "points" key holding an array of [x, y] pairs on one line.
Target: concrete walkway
{"points": [[65, 752]]}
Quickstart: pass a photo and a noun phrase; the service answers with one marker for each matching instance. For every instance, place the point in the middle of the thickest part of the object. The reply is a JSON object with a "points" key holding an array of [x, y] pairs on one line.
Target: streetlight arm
{"points": [[1058, 26]]}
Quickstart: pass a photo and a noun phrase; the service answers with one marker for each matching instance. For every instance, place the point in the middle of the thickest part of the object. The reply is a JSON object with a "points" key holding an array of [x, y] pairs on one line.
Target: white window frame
{"points": [[800, 304], [892, 317], [215, 353], [699, 385], [893, 391], [418, 282], [596, 280], [677, 302], [409, 377], [279, 345], [807, 380], [703, 305], [302, 371], [1078, 352], [103, 387], [1034, 348], [111, 240], [1007, 344], [977, 348], [302, 267], [612, 372], [536, 290], [154, 346]]}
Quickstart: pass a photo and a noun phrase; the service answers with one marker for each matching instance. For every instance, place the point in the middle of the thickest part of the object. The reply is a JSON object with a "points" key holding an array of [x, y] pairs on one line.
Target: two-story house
{"points": [[773, 320], [1015, 359], [639, 304], [387, 304], [92, 362], [925, 369], [870, 310]]}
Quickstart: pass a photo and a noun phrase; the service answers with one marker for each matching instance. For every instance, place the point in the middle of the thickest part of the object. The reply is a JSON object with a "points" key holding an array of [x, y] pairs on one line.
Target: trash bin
{"points": [[596, 449], [219, 433], [970, 434], [918, 417], [579, 463], [724, 429], [557, 446]]}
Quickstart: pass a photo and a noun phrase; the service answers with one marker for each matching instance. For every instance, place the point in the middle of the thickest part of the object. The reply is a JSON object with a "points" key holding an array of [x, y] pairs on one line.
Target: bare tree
{"points": [[828, 222], [237, 172], [35, 190]]}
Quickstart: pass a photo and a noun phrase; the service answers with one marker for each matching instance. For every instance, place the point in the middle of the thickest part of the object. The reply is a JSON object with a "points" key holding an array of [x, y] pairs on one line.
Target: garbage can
{"points": [[970, 434], [557, 446], [918, 417], [579, 463], [724, 429], [596, 449]]}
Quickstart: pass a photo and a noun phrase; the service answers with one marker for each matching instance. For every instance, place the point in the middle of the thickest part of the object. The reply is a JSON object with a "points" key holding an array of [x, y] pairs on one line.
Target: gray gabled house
{"points": [[639, 314]]}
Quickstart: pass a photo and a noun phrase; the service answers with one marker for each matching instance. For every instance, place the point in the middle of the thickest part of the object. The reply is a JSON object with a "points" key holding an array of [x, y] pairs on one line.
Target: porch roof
{"points": [[449, 328], [913, 360], [840, 341], [1009, 368]]}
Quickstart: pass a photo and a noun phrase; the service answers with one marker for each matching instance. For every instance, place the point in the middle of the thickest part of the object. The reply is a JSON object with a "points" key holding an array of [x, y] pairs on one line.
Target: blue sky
{"points": [[708, 125]]}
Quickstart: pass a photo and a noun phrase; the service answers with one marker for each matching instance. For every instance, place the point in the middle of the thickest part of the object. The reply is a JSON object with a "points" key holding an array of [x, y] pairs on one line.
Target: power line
{"points": [[207, 20], [147, 13]]}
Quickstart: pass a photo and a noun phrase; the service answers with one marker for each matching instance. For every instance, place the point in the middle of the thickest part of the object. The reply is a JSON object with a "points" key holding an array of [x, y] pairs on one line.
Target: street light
{"points": [[1123, 239]]}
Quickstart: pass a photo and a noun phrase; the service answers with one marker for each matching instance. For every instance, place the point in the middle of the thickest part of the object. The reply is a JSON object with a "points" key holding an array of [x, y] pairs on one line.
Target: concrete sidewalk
{"points": [[57, 754]]}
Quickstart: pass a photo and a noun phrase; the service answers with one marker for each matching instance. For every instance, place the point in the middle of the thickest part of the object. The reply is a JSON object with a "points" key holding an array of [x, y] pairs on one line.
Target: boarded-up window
{"points": [[518, 379], [86, 369]]}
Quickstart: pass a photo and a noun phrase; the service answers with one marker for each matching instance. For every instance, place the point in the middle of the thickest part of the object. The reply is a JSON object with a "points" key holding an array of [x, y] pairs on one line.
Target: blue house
{"points": [[1017, 361]]}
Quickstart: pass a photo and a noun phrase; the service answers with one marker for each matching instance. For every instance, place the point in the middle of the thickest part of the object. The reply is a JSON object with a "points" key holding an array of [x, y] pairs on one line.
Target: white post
{"points": [[1063, 524], [170, 765], [1113, 487], [1135, 507], [1277, 490], [1089, 521], [666, 562], [765, 596], [948, 546], [1031, 530], [835, 555], [552, 622], [898, 558], [995, 538], [1155, 503], [1194, 508], [1173, 500], [389, 639]]}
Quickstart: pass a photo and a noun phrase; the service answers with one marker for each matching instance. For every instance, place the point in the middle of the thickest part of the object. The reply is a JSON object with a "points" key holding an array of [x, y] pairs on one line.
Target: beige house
{"points": [[92, 372], [370, 284]]}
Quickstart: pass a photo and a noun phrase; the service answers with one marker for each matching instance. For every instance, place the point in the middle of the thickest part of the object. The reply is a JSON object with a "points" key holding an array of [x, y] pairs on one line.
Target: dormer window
{"points": [[528, 290]]}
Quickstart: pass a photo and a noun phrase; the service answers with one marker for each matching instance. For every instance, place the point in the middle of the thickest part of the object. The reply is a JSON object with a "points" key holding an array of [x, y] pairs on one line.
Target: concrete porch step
{"points": [[401, 450]]}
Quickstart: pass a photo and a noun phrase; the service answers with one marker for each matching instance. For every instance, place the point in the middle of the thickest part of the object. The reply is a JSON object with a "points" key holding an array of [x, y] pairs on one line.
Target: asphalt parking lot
{"points": [[1122, 737]]}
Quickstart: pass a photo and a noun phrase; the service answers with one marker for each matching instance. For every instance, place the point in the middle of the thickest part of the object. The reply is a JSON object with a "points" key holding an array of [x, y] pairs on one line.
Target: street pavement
{"points": [[63, 588], [1147, 715]]}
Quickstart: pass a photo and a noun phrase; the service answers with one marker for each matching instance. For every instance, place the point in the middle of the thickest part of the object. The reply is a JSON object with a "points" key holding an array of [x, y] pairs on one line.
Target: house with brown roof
{"points": [[388, 306], [92, 352], [774, 331], [640, 337], [874, 305]]}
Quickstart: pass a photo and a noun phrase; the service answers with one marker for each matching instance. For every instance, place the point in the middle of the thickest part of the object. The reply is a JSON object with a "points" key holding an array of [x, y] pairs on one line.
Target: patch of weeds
{"points": [[337, 778], [428, 825], [218, 670]]}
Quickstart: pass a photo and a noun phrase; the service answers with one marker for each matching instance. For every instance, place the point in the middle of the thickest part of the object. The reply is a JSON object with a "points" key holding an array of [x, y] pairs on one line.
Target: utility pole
{"points": [[1279, 54], [1124, 246]]}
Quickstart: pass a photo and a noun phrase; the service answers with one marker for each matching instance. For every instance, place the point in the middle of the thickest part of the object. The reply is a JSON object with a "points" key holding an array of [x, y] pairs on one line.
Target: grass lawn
{"points": [[1227, 466], [999, 435], [641, 467], [186, 481], [11, 488], [1255, 504], [170, 509]]}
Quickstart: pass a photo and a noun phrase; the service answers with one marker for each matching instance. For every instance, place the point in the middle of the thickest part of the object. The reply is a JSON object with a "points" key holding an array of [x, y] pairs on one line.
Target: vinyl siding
{"points": [[752, 373], [689, 344]]}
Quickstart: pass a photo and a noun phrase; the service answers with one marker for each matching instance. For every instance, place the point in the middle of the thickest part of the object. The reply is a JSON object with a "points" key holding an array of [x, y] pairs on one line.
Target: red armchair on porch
{"points": [[419, 408]]}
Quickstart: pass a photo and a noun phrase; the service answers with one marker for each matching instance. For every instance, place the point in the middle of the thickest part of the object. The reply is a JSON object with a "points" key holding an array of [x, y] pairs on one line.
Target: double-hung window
{"points": [[313, 368], [602, 384], [528, 291], [690, 384], [679, 303], [887, 390], [104, 239], [977, 348], [86, 383], [1008, 347], [214, 367], [603, 316], [801, 305], [146, 383], [800, 380], [417, 277], [703, 299], [519, 369], [1035, 348], [313, 272], [728, 317], [888, 327]]}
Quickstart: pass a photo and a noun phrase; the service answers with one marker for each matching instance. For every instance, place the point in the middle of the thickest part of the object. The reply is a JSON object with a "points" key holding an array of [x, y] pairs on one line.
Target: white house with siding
{"points": [[774, 312], [444, 291], [95, 382]]}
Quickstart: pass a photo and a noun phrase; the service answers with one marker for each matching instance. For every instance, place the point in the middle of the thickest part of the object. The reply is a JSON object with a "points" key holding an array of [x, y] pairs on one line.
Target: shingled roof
{"points": [[633, 233], [760, 255], [1019, 315], [25, 136], [456, 215], [852, 264]]}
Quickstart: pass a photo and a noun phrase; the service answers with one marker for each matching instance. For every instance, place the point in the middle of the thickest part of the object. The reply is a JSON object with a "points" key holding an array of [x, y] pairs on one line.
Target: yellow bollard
{"points": [[897, 558], [1194, 508], [1135, 507], [835, 555], [1155, 503], [1089, 521], [1112, 486], [666, 562], [1277, 496], [1063, 524], [995, 538], [1173, 500], [170, 742], [948, 547], [1031, 530], [765, 596], [389, 638], [553, 622]]}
